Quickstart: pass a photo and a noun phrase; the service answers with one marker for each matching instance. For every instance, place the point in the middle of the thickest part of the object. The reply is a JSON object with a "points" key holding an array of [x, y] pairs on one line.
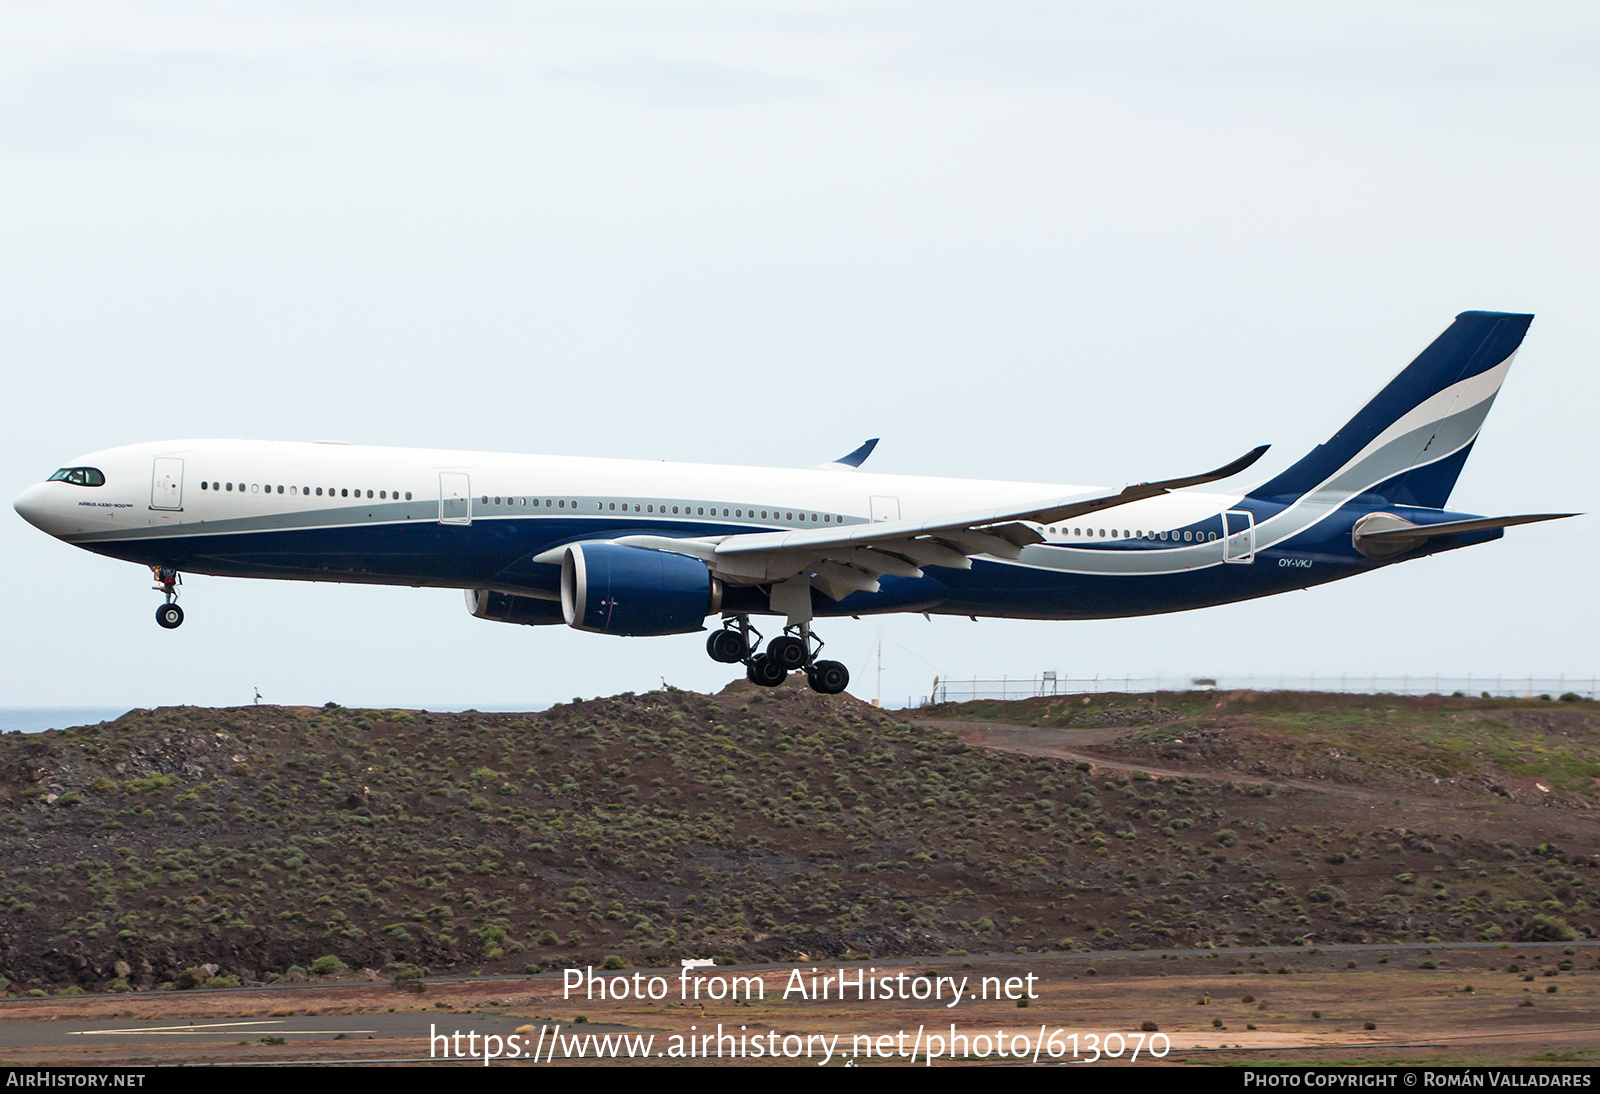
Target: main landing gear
{"points": [[169, 615], [789, 652]]}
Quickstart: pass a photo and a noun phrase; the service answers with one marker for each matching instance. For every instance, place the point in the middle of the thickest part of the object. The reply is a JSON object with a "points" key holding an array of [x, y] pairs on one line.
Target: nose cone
{"points": [[30, 505]]}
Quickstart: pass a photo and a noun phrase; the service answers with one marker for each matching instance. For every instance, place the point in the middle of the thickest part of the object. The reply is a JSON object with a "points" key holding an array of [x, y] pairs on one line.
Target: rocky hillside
{"points": [[179, 845]]}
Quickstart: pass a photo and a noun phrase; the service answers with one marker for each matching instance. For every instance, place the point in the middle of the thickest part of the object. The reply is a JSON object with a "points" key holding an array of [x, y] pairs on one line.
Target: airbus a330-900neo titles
{"points": [[635, 548]]}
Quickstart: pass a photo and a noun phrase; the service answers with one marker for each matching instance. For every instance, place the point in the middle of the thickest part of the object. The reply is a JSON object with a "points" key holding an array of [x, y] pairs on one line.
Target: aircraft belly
{"points": [[1024, 592]]}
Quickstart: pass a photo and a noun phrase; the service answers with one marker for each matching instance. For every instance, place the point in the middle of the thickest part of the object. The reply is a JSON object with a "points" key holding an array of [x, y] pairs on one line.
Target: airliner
{"points": [[627, 547]]}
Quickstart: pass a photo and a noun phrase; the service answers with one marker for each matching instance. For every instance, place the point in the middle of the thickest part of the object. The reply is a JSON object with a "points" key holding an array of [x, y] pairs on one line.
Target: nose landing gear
{"points": [[168, 615], [790, 652]]}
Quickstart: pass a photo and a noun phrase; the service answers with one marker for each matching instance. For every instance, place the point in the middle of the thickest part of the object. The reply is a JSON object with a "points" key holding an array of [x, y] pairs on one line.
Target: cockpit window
{"points": [[79, 476]]}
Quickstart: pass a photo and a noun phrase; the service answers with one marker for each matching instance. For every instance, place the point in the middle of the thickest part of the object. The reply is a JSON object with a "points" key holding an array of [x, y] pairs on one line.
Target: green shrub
{"points": [[1546, 928], [328, 965]]}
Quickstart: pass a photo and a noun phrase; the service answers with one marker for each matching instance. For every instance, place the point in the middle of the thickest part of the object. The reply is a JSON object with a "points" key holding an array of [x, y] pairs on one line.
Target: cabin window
{"points": [[203, 485], [408, 495], [230, 487]]}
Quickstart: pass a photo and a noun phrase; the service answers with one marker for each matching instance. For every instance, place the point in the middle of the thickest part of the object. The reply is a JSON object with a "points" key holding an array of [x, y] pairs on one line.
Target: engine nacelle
{"points": [[506, 608], [610, 589]]}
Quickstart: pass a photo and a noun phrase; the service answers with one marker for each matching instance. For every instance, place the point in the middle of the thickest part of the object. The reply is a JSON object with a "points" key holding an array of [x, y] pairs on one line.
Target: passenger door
{"points": [[166, 484], [1238, 536], [455, 497]]}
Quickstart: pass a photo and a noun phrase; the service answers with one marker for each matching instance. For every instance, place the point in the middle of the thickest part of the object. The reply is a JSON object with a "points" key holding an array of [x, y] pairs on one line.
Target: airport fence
{"points": [[961, 689]]}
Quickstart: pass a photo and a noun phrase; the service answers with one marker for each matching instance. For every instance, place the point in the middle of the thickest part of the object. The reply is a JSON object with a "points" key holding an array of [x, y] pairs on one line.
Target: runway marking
{"points": [[212, 1028]]}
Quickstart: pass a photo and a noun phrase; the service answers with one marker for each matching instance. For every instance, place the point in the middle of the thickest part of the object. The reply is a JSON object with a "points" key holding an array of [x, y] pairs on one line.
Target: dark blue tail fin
{"points": [[1408, 444]]}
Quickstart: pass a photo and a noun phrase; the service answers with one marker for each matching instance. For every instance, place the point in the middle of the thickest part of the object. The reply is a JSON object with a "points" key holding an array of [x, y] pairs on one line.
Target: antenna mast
{"points": [[878, 702]]}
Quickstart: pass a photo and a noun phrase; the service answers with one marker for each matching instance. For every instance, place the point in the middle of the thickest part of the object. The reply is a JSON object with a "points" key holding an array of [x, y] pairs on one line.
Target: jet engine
{"points": [[507, 608], [611, 589]]}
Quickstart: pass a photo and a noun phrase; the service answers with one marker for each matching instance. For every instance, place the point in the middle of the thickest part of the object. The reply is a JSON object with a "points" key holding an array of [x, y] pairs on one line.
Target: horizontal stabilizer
{"points": [[1384, 535]]}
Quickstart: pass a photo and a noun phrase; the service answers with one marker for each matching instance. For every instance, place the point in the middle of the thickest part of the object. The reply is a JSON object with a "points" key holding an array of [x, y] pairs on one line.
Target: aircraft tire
{"points": [[170, 616], [766, 672], [726, 646], [788, 651], [828, 677]]}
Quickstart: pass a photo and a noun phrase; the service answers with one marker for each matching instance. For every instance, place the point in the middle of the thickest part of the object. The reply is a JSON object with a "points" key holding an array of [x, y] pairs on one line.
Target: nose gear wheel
{"points": [[168, 615]]}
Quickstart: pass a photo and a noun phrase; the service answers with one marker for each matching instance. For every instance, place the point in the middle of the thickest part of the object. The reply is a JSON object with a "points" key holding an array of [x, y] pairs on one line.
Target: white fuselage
{"points": [[249, 485]]}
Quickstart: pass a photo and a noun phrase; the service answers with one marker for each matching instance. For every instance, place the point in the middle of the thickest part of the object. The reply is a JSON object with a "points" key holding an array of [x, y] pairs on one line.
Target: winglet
{"points": [[1139, 491], [851, 461], [1227, 470]]}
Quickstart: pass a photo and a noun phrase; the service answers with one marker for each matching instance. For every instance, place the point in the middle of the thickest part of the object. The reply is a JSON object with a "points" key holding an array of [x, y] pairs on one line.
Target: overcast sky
{"points": [[1081, 243]]}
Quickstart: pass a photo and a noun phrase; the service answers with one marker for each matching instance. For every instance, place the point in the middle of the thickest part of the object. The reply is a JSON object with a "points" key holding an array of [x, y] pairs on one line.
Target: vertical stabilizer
{"points": [[1408, 444]]}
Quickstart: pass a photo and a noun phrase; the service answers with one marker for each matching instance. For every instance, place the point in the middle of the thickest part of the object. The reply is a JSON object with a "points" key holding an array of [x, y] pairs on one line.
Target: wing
{"points": [[843, 560]]}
